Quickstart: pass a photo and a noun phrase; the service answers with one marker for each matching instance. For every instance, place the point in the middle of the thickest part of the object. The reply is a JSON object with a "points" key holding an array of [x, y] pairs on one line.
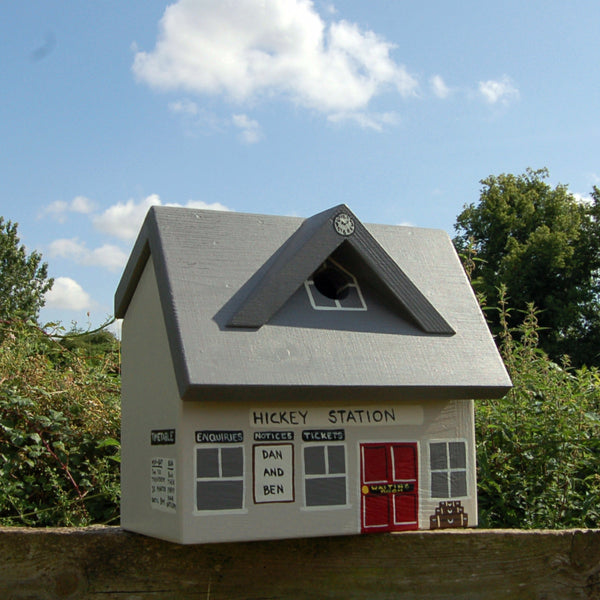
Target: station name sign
{"points": [[326, 417]]}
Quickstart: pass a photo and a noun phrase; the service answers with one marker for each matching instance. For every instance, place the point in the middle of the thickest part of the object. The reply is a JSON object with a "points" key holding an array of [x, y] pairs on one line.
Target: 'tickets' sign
{"points": [[273, 473]]}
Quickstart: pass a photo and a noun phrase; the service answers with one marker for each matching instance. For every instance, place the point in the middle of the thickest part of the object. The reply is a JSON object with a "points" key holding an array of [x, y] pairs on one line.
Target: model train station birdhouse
{"points": [[286, 377]]}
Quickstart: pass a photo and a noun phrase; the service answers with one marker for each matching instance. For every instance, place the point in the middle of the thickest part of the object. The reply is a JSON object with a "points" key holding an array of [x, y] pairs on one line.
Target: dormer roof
{"points": [[310, 246]]}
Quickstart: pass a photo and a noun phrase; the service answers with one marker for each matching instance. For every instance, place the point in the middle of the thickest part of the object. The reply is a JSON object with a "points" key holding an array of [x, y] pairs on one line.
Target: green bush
{"points": [[538, 449], [59, 429]]}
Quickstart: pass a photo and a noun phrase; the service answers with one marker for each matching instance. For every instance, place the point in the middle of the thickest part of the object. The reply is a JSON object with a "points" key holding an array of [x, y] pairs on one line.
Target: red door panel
{"points": [[389, 487], [375, 464], [405, 509], [376, 512], [405, 462]]}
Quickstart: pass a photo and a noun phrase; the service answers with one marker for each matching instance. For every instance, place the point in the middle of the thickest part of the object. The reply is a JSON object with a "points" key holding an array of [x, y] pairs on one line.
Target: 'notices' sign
{"points": [[273, 473]]}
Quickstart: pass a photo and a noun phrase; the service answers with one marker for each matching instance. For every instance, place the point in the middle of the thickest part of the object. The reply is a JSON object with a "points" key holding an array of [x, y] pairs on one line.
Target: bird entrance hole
{"points": [[331, 281]]}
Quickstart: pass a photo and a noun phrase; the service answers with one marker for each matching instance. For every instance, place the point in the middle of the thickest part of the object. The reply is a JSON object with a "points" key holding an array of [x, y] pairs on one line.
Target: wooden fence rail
{"points": [[106, 563]]}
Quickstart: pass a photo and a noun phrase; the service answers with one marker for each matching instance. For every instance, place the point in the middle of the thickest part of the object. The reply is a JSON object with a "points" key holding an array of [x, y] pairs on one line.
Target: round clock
{"points": [[344, 224]]}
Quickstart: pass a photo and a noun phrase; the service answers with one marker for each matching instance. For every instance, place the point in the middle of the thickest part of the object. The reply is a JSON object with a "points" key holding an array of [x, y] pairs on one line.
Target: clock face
{"points": [[344, 224]]}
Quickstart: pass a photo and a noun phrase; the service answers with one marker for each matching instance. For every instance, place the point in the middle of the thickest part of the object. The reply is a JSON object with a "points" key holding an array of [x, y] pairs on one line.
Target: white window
{"points": [[331, 287], [325, 475], [448, 465], [219, 478]]}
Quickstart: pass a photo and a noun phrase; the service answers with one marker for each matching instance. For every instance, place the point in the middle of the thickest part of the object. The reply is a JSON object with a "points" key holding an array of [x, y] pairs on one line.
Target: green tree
{"points": [[23, 278], [538, 449], [543, 244]]}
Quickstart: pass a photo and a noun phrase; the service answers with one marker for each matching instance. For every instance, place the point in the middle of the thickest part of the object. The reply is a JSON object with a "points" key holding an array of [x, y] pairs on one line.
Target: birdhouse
{"points": [[286, 377]]}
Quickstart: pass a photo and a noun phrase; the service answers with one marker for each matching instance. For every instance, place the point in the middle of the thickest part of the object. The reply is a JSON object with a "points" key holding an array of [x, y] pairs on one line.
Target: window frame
{"points": [[327, 475], [220, 478], [309, 284], [449, 469]]}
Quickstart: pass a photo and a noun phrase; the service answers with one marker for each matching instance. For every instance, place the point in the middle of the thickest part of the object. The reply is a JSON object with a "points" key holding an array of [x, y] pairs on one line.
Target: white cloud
{"points": [[67, 294], [196, 119], [185, 106], [124, 219], [67, 249], [202, 205], [107, 256], [583, 199], [59, 208], [375, 121], [250, 129], [254, 48], [82, 205], [499, 91], [439, 87]]}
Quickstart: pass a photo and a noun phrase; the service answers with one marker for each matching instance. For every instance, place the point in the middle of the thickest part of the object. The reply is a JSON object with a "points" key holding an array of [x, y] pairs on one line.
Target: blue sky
{"points": [[397, 109]]}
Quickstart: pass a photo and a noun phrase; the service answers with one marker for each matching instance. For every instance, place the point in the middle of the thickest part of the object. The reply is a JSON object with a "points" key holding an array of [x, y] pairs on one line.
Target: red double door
{"points": [[389, 487]]}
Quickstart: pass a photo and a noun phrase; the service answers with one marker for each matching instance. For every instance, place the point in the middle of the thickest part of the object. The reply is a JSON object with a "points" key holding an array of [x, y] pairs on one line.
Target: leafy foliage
{"points": [[543, 244], [59, 429], [538, 450], [23, 279]]}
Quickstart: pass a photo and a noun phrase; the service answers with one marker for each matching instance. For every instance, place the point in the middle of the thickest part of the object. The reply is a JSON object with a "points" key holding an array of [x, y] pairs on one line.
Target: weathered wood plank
{"points": [[111, 564]]}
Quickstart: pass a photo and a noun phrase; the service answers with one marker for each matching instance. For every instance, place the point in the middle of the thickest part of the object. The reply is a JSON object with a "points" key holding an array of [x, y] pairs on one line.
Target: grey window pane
{"points": [[458, 455], [437, 453], [232, 462], [219, 495], [337, 460], [319, 299], [207, 462], [314, 460], [326, 491], [352, 300], [458, 484], [439, 485]]}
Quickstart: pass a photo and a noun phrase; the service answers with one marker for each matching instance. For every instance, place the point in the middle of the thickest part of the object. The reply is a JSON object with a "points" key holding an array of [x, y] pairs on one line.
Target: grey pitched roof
{"points": [[238, 315]]}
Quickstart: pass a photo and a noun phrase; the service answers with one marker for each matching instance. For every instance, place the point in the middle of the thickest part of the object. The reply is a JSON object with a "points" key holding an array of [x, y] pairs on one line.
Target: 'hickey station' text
{"points": [[334, 416]]}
